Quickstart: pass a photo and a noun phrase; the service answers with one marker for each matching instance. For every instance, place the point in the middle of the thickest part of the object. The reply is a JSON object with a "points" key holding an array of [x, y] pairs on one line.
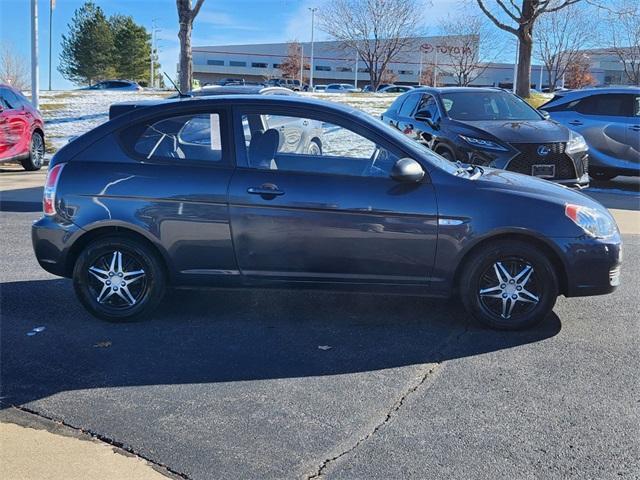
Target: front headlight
{"points": [[595, 223], [481, 143], [576, 143]]}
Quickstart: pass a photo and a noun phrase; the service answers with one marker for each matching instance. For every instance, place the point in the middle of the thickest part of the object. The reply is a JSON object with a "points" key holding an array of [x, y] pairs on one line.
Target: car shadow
{"points": [[21, 200], [227, 336]]}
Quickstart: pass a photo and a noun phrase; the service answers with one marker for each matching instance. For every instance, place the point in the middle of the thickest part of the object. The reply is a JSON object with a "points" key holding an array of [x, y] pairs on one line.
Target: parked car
{"points": [[369, 88], [292, 84], [340, 88], [609, 120], [21, 130], [143, 202], [120, 85], [395, 89], [319, 88], [492, 127]]}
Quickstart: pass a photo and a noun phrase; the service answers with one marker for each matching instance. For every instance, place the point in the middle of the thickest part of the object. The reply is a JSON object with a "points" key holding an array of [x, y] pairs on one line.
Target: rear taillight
{"points": [[49, 196]]}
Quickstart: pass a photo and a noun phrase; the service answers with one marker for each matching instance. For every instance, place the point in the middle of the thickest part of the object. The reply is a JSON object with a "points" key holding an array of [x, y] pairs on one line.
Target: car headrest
{"points": [[263, 148]]}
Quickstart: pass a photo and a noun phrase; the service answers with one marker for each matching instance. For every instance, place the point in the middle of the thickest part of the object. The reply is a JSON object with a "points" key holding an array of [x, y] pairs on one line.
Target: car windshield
{"points": [[483, 105]]}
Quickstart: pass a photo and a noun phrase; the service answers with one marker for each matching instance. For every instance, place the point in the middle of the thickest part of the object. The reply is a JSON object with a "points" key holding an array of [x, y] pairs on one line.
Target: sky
{"points": [[220, 22]]}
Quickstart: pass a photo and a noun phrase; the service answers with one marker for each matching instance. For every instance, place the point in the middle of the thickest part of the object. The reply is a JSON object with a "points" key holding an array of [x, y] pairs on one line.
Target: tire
{"points": [[489, 308], [97, 291], [314, 147], [446, 154], [601, 175], [35, 159]]}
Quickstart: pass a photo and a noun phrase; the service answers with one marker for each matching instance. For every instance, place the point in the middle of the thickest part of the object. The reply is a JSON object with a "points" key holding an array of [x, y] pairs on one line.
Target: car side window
{"points": [[618, 105], [636, 106], [428, 104], [194, 137], [298, 144], [9, 100], [409, 106]]}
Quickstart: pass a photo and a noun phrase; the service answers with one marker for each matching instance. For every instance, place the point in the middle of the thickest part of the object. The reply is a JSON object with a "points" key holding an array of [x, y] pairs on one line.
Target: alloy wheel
{"points": [[117, 280], [509, 288], [37, 150]]}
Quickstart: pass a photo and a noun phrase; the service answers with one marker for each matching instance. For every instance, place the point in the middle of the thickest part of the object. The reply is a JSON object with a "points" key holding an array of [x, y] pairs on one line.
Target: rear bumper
{"points": [[593, 266], [52, 239]]}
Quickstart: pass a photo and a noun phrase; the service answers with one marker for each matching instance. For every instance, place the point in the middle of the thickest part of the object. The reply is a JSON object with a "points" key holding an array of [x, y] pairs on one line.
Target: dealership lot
{"points": [[242, 383]]}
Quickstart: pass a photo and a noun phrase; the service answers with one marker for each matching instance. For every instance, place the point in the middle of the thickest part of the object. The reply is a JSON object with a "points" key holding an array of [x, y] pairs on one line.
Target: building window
{"points": [[363, 70], [235, 63], [323, 68], [259, 65], [277, 65], [405, 72], [344, 69], [215, 62]]}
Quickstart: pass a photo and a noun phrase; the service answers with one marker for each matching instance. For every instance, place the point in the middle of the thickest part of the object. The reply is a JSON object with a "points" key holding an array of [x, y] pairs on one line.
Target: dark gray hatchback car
{"points": [[202, 192]]}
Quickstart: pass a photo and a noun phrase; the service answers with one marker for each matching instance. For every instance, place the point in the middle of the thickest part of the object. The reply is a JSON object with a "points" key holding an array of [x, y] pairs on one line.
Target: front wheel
{"points": [[509, 285], [119, 279]]}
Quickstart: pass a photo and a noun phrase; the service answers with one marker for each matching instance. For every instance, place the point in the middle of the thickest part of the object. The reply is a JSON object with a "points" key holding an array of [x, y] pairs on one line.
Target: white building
{"points": [[259, 62]]}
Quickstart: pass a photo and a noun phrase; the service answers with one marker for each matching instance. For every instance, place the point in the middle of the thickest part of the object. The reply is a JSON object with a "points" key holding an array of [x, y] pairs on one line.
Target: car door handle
{"points": [[575, 122], [635, 128], [267, 190]]}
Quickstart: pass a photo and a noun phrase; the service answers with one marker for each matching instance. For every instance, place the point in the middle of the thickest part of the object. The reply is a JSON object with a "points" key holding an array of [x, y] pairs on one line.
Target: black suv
{"points": [[492, 127]]}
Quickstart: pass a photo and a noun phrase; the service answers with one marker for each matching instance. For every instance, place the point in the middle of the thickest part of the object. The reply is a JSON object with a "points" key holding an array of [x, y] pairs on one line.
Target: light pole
{"points": [[154, 29], [313, 16], [52, 5], [35, 73]]}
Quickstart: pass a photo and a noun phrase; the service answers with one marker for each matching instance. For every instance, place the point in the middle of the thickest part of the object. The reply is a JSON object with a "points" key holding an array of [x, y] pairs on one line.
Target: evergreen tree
{"points": [[131, 49], [87, 49]]}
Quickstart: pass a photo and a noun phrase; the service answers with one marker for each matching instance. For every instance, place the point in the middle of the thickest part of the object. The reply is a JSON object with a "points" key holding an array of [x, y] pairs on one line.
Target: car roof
{"points": [[457, 89], [141, 108], [239, 89], [560, 98]]}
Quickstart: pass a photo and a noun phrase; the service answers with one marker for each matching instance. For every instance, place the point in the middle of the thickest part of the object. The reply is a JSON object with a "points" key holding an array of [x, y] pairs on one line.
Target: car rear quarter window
{"points": [[612, 104], [194, 137]]}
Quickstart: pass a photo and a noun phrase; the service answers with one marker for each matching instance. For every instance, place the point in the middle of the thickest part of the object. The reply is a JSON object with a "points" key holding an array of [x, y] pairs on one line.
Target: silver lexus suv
{"points": [[609, 120]]}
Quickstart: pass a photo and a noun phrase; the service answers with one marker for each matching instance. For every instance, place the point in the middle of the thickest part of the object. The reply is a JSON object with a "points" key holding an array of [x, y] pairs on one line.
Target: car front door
{"points": [[333, 216], [604, 120]]}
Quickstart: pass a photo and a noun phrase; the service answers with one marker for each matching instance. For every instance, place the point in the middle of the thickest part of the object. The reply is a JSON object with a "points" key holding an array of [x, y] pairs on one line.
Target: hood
{"points": [[534, 188], [521, 131]]}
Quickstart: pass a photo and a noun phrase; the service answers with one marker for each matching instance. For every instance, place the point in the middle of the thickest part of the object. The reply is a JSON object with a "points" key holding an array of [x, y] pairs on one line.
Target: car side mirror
{"points": [[407, 170], [425, 116], [545, 114]]}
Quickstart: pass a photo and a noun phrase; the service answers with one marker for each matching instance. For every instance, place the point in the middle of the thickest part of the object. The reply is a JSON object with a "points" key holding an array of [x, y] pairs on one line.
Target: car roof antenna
{"points": [[180, 94]]}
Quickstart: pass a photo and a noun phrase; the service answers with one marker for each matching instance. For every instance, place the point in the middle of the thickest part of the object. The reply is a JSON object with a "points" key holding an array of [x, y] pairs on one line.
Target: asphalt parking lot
{"points": [[301, 384]]}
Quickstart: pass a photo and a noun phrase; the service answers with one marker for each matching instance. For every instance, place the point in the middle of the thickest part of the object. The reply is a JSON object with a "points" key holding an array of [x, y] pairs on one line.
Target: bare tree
{"points": [[378, 30], [186, 16], [524, 15], [560, 37], [465, 37], [13, 69], [624, 26]]}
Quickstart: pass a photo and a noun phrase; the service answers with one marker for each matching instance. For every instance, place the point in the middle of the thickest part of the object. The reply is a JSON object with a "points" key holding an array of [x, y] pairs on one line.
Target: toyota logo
{"points": [[544, 150]]}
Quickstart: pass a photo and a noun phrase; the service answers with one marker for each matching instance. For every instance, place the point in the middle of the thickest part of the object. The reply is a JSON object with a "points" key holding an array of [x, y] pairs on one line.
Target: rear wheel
{"points": [[314, 147], [35, 159], [509, 285], [119, 279]]}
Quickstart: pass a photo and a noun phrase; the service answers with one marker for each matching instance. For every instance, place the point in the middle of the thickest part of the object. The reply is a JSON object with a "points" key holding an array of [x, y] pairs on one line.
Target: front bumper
{"points": [[592, 265]]}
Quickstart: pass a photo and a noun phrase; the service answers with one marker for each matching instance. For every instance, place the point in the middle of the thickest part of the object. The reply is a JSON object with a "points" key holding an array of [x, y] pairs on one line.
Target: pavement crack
{"points": [[397, 405], [160, 467]]}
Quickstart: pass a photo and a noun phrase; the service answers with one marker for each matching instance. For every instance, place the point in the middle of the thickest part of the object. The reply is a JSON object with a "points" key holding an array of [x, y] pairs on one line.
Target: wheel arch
{"points": [[100, 231], [535, 241]]}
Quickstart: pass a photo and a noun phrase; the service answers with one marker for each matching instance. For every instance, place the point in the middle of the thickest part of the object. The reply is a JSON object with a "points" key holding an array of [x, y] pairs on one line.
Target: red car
{"points": [[21, 130]]}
